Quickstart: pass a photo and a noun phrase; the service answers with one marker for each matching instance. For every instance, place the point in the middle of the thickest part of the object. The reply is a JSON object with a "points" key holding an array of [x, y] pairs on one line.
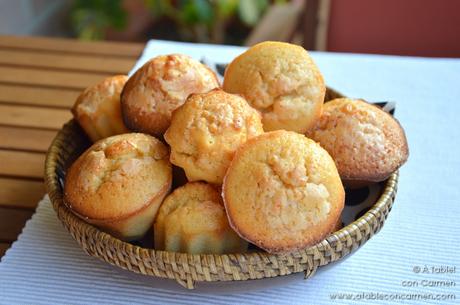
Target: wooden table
{"points": [[40, 79]]}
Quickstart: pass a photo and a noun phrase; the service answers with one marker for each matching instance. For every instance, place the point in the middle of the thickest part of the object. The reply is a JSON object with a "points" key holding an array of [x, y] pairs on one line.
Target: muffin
{"points": [[98, 109], [206, 131], [119, 183], [366, 143], [282, 192], [192, 220], [159, 87], [281, 81]]}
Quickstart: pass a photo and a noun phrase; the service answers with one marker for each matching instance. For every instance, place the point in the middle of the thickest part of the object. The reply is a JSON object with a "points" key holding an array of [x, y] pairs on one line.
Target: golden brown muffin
{"points": [[160, 86], [192, 220], [98, 109], [282, 192], [281, 81], [206, 131], [119, 183], [366, 143]]}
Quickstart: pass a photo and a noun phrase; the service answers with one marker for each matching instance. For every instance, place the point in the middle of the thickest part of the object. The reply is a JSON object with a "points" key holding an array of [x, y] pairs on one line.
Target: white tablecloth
{"points": [[45, 266]]}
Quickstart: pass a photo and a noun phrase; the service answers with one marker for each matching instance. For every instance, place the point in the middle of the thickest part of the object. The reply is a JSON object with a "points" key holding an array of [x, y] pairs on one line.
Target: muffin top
{"points": [[118, 176], [196, 207], [365, 142], [192, 219], [281, 81], [282, 192], [160, 86], [206, 131], [100, 103]]}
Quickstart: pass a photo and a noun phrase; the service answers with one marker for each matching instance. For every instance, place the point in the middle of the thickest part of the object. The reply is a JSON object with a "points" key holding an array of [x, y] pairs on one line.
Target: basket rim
{"points": [[335, 246]]}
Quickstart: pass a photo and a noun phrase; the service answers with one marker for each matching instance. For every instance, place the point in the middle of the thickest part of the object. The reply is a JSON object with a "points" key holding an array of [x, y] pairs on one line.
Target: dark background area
{"points": [[408, 27], [399, 27]]}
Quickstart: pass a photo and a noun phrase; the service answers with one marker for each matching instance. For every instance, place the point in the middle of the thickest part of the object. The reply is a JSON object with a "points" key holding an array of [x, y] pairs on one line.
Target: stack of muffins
{"points": [[260, 160]]}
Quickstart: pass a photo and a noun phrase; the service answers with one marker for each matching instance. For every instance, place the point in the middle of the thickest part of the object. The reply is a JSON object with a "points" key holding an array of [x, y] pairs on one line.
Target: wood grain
{"points": [[54, 97], [37, 117], [26, 138], [20, 193], [103, 64], [22, 164], [35, 77], [40, 79], [11, 223], [72, 46]]}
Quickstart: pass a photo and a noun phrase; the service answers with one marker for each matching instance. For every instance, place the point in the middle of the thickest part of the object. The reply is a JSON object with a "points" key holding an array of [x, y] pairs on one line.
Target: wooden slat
{"points": [[72, 46], [65, 61], [73, 80], [54, 97], [20, 193], [26, 116], [25, 138], [22, 164], [11, 223], [37, 77], [3, 248]]}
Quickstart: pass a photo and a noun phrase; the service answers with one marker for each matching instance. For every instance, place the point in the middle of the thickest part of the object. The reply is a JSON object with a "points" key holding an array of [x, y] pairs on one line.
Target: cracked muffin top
{"points": [[282, 192], [159, 87], [118, 176], [98, 110], [366, 143], [281, 81], [206, 131]]}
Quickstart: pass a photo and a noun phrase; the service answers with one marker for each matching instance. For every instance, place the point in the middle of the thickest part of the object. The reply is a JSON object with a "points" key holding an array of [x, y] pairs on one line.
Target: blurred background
{"points": [[409, 27]]}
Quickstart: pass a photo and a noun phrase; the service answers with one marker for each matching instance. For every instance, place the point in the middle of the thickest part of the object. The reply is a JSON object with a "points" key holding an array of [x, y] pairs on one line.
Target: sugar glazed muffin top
{"points": [[281, 81], [366, 143], [192, 219], [282, 192], [98, 110], [206, 131], [160, 86], [118, 176]]}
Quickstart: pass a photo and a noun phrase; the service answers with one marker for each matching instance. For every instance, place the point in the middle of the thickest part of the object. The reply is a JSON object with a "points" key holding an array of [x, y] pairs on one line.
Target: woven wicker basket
{"points": [[186, 269]]}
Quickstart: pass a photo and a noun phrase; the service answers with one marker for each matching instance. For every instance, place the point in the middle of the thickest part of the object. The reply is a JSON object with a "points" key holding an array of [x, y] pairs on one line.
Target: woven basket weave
{"points": [[186, 269]]}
